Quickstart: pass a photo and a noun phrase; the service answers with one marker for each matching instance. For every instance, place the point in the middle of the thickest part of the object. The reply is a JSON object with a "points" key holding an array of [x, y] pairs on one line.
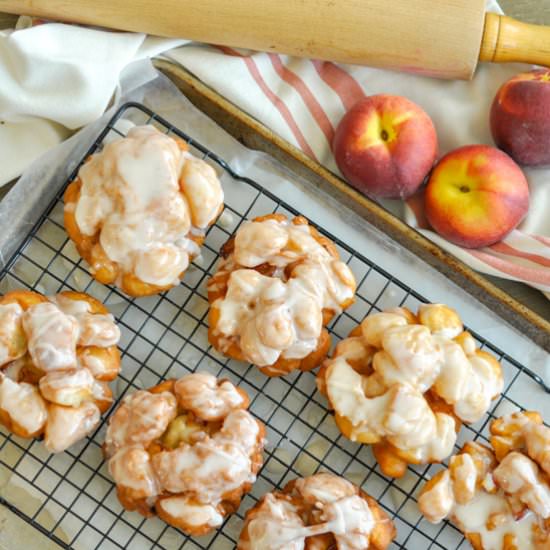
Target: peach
{"points": [[520, 117], [475, 196], [385, 146]]}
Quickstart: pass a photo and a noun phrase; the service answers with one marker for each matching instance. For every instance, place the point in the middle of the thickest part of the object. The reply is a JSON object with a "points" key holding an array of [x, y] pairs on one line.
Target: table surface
{"points": [[532, 11], [13, 529]]}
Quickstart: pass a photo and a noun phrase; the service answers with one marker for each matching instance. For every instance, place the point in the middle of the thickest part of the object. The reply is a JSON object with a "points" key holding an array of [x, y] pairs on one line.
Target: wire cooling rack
{"points": [[70, 498]]}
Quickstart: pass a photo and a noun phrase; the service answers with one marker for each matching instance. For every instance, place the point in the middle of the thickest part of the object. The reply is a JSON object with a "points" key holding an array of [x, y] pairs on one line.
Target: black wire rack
{"points": [[70, 497]]}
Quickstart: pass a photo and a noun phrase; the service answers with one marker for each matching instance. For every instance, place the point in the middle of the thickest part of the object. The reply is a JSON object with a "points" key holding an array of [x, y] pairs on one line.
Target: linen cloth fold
{"points": [[60, 77], [55, 78]]}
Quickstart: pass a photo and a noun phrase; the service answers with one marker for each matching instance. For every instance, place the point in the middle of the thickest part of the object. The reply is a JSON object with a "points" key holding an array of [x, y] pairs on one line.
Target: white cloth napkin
{"points": [[67, 75], [55, 78]]}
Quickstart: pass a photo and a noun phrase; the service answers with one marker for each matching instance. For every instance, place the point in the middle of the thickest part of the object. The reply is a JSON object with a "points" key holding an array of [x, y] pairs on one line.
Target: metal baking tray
{"points": [[70, 497], [521, 306]]}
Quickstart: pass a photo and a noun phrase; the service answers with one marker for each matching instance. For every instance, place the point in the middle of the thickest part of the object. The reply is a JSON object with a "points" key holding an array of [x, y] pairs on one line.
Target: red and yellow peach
{"points": [[520, 117], [385, 146], [475, 196]]}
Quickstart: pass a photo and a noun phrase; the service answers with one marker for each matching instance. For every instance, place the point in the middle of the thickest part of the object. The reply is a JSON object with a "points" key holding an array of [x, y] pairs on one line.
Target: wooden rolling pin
{"points": [[441, 38]]}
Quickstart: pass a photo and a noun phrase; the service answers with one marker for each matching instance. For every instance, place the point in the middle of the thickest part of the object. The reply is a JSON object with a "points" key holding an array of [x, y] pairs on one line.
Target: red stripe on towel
{"points": [[541, 239], [275, 100], [504, 248], [307, 96], [348, 89], [516, 271]]}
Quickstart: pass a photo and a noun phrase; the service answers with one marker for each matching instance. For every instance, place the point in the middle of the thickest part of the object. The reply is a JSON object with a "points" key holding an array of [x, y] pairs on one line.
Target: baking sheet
{"points": [[71, 495]]}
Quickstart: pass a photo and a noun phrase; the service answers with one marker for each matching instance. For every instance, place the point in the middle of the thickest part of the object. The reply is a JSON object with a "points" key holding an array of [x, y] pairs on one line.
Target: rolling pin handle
{"points": [[507, 40]]}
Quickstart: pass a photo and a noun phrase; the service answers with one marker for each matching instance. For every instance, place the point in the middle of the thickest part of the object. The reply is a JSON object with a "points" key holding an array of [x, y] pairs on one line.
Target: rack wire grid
{"points": [[70, 497]]}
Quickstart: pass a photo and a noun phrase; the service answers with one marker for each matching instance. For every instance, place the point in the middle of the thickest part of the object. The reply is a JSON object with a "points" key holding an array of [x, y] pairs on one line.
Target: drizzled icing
{"points": [[501, 498], [214, 465], [474, 516], [522, 431], [350, 520], [147, 197], [317, 505], [67, 425], [67, 387], [132, 465], [141, 418], [400, 359], [519, 475], [279, 315], [195, 514], [52, 337], [270, 317], [276, 525], [206, 449], [400, 414], [537, 443], [12, 343], [48, 337], [24, 404], [209, 399], [55, 328], [95, 329]]}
